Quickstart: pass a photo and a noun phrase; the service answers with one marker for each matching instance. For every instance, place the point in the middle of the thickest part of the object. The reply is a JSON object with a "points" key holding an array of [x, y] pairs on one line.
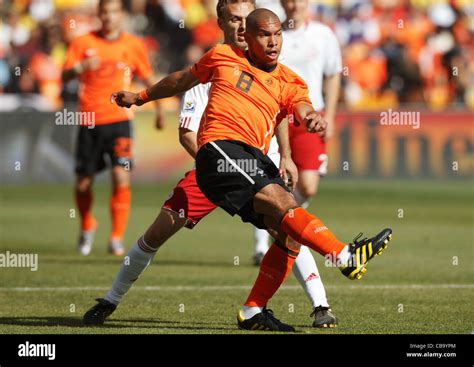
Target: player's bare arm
{"points": [[188, 140], [313, 121], [331, 87], [288, 169], [175, 83], [88, 64]]}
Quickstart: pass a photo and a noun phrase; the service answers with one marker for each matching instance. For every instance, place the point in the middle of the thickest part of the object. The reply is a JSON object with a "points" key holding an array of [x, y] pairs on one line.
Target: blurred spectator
{"points": [[395, 51]]}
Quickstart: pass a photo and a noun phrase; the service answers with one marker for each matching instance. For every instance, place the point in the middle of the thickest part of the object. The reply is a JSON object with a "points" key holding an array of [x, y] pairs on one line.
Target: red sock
{"points": [[84, 204], [274, 269], [119, 210], [308, 230]]}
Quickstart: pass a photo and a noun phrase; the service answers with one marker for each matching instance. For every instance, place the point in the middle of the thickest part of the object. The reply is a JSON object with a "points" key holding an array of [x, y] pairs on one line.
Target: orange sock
{"points": [[308, 230], [274, 269], [84, 204], [119, 210]]}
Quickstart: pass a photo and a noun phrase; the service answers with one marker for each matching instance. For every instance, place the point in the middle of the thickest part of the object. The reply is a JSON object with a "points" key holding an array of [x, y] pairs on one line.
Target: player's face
{"points": [[232, 23], [111, 16], [265, 42], [295, 10]]}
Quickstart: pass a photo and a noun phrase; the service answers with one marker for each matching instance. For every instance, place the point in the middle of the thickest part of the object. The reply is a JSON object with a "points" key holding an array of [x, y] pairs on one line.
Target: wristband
{"points": [[143, 95]]}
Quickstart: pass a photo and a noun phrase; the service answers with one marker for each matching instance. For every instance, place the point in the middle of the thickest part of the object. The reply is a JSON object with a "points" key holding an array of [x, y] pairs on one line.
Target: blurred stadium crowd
{"points": [[394, 51]]}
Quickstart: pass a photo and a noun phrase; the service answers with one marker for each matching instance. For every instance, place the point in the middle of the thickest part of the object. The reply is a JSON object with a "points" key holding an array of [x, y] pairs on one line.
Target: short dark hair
{"points": [[103, 2], [222, 3]]}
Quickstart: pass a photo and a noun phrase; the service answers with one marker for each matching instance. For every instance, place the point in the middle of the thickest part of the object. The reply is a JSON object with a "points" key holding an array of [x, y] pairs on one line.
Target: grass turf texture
{"points": [[201, 277]]}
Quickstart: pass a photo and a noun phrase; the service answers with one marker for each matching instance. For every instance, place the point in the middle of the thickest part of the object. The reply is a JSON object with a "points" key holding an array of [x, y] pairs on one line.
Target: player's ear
{"points": [[220, 23]]}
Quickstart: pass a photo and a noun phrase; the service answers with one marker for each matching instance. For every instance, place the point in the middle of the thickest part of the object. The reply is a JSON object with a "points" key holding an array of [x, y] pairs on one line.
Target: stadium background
{"points": [[399, 55]]}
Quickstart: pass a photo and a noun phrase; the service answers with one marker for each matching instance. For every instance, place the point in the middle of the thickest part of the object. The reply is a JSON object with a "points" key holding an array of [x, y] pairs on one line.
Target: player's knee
{"points": [[167, 224], [308, 190], [292, 245], [83, 184]]}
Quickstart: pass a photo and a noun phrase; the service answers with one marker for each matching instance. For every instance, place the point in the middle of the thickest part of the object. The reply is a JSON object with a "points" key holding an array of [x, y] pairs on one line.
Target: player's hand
{"points": [[289, 172], [315, 123], [90, 63], [160, 120], [125, 99]]}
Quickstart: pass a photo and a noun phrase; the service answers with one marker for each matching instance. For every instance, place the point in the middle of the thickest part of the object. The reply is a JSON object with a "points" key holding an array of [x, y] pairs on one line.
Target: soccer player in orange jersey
{"points": [[105, 61], [249, 90]]}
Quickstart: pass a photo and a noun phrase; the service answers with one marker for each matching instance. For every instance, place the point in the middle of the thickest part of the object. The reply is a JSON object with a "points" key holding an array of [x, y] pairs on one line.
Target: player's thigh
{"points": [[165, 225], [273, 201], [118, 146], [308, 181]]}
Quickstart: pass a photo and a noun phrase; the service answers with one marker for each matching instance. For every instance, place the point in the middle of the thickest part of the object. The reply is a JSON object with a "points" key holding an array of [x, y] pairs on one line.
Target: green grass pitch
{"points": [[423, 283]]}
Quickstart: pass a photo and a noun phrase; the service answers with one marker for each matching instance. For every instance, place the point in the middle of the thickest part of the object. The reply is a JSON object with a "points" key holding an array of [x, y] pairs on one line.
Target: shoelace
{"points": [[317, 309], [355, 240], [269, 314]]}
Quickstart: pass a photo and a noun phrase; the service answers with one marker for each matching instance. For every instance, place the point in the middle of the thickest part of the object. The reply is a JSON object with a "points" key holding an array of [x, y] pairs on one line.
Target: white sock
{"points": [[307, 273], [261, 237], [249, 312], [135, 262], [300, 199], [344, 256]]}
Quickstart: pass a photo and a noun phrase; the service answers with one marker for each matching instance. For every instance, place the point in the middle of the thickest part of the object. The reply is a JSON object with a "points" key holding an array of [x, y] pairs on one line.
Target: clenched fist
{"points": [[126, 99], [315, 123]]}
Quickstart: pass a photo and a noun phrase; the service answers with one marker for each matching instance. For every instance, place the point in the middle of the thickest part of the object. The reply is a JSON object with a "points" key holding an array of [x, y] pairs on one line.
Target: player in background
{"points": [[187, 204], [311, 50], [237, 126], [103, 61]]}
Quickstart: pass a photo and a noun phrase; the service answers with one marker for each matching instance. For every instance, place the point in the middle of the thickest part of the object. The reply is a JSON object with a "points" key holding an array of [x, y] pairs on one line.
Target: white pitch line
{"points": [[237, 287]]}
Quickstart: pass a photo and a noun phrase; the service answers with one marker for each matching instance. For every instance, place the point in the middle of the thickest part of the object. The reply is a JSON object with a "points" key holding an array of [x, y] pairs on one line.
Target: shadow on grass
{"points": [[160, 262], [75, 322]]}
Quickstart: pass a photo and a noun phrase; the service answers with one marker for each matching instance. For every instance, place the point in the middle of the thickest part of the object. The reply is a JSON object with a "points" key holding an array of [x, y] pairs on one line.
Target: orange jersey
{"points": [[119, 60], [244, 101]]}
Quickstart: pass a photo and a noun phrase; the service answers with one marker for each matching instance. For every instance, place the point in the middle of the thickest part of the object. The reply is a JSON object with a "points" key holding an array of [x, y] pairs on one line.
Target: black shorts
{"points": [[109, 143], [230, 173]]}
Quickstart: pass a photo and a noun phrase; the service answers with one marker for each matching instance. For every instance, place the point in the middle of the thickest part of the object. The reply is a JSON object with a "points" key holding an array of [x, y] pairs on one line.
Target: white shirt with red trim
{"points": [[312, 51]]}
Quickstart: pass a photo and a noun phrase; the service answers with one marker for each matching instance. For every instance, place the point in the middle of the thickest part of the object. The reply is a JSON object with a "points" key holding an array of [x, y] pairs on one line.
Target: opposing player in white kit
{"points": [[188, 205], [310, 49]]}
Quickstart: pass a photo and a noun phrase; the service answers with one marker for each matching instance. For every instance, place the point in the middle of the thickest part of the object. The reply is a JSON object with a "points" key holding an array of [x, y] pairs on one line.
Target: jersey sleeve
{"points": [[333, 61], [294, 93], [193, 104], [203, 69], [74, 54], [142, 65]]}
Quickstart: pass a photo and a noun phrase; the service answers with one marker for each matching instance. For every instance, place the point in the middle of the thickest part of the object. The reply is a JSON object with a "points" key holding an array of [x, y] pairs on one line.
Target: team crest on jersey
{"points": [[269, 82], [190, 106]]}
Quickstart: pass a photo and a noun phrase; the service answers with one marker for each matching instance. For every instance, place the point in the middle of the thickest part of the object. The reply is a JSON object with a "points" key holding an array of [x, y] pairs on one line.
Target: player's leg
{"points": [[88, 161], [261, 240], [261, 236], [307, 274], [307, 186], [83, 198], [118, 143], [185, 207], [120, 201]]}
